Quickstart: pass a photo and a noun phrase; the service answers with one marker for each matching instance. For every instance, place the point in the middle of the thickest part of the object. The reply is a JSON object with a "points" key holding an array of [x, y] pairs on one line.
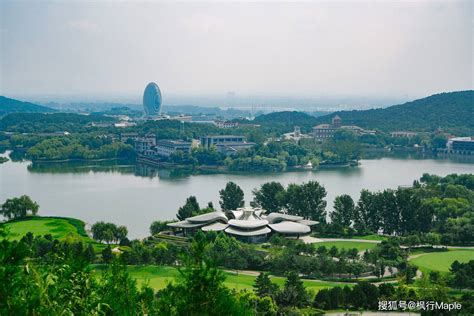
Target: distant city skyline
{"points": [[400, 50]]}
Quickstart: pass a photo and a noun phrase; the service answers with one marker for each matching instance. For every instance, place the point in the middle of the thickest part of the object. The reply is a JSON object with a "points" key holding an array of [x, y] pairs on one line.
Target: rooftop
{"points": [[248, 222]]}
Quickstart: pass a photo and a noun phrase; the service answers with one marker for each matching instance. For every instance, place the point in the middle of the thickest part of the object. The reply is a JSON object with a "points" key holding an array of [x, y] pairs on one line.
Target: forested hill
{"points": [[285, 121], [8, 105], [452, 111]]}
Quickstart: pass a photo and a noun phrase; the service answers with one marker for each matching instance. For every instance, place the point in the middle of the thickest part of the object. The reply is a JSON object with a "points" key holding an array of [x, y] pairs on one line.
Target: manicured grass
{"points": [[441, 261], [157, 277], [360, 246], [370, 237], [60, 228]]}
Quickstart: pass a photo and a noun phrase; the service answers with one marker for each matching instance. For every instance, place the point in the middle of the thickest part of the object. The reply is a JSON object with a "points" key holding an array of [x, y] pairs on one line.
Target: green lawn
{"points": [[441, 261], [361, 246], [370, 237], [59, 227], [157, 277]]}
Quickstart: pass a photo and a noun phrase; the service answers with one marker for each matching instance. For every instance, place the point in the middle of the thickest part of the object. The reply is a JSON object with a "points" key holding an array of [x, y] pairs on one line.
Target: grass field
{"points": [[370, 237], [441, 261], [360, 246], [59, 227], [157, 277]]}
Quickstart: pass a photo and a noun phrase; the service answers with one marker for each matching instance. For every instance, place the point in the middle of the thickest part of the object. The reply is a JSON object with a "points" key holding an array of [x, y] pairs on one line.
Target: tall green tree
{"points": [[294, 293], [107, 254], [344, 211], [190, 208], [232, 197], [264, 286], [306, 200], [269, 197], [199, 289]]}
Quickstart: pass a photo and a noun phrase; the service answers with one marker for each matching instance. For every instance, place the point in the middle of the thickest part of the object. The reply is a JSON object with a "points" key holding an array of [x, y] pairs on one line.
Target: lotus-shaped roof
{"points": [[248, 222]]}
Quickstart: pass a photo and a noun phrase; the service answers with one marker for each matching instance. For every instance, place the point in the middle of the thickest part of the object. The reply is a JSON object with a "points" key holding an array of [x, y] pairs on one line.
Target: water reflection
{"points": [[81, 167]]}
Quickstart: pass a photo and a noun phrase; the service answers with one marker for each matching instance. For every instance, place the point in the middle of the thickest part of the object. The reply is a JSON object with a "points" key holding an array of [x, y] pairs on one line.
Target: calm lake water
{"points": [[135, 196]]}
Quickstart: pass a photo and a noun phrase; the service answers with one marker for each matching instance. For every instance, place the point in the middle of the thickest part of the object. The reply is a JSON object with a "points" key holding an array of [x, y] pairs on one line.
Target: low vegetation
{"points": [[442, 261]]}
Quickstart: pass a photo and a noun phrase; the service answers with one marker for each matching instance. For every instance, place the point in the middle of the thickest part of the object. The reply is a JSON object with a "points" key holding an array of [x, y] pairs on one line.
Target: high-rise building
{"points": [[152, 100]]}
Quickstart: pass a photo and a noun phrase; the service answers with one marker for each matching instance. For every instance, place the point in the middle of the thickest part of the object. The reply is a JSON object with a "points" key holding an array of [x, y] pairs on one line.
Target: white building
{"points": [[166, 147], [225, 124]]}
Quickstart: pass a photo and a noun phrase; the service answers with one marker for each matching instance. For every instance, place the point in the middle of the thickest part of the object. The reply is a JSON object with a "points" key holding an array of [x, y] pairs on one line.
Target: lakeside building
{"points": [[55, 134], [146, 145], [225, 124], [166, 147], [403, 134], [124, 137], [181, 118], [152, 100], [246, 224], [324, 132], [461, 145], [123, 124], [296, 135], [226, 144]]}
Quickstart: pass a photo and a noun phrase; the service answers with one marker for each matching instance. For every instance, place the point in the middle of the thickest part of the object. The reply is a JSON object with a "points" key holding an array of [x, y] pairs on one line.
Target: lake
{"points": [[136, 195]]}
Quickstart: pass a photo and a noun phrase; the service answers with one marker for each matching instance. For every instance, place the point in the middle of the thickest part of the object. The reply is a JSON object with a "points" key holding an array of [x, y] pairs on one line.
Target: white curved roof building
{"points": [[248, 223], [152, 100]]}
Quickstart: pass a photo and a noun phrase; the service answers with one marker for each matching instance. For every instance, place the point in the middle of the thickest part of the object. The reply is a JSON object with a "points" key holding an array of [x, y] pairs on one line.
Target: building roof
{"points": [[324, 126], [208, 217], [173, 142], [216, 227], [256, 232], [248, 224], [186, 224], [230, 144], [223, 136], [274, 218], [288, 227], [307, 222], [462, 139]]}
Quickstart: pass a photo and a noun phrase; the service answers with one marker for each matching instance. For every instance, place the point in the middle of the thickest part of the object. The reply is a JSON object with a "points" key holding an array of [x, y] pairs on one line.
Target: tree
{"points": [[294, 293], [89, 253], [344, 211], [121, 233], [108, 232], [190, 208], [269, 196], [158, 226], [366, 215], [306, 200], [264, 286], [19, 207], [199, 289], [232, 197], [107, 254]]}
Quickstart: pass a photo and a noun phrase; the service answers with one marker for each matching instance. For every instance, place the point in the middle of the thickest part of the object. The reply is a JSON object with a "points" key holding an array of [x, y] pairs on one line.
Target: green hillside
{"points": [[452, 111], [286, 120], [8, 105]]}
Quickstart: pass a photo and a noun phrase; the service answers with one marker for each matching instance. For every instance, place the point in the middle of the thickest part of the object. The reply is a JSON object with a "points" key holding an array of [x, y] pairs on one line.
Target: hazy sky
{"points": [[310, 48]]}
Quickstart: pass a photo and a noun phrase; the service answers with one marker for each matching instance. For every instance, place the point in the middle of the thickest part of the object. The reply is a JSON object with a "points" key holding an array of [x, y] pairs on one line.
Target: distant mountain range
{"points": [[452, 111], [8, 105]]}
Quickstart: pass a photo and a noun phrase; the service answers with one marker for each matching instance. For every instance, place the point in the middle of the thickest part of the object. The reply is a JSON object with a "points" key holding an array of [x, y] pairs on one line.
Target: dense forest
{"points": [[8, 105], [49, 123]]}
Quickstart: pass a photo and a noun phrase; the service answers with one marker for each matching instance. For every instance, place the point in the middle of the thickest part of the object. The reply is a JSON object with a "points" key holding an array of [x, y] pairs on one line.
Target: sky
{"points": [[361, 48]]}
